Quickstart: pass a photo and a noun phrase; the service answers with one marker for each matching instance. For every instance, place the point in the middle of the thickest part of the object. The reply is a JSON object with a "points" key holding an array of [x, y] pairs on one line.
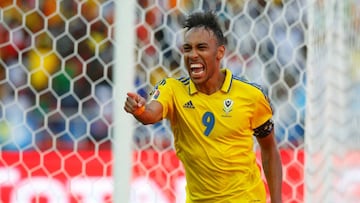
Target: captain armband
{"points": [[264, 130]]}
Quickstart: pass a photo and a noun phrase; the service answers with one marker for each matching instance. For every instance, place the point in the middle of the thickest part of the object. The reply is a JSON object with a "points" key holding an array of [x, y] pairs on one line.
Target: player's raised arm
{"points": [[146, 113]]}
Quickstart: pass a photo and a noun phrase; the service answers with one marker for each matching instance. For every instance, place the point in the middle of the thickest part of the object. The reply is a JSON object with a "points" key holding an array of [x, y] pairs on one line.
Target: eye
{"points": [[186, 48], [202, 47]]}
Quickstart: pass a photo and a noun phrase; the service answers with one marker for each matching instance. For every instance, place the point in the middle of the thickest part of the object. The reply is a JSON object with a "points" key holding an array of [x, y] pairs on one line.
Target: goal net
{"points": [[332, 144], [56, 101], [59, 96]]}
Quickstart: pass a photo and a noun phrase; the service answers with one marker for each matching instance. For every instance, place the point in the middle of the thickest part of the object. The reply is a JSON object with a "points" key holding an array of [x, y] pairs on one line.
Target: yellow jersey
{"points": [[213, 137]]}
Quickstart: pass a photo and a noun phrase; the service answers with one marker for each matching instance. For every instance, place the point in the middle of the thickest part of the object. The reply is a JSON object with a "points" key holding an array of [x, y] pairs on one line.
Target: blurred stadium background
{"points": [[57, 97]]}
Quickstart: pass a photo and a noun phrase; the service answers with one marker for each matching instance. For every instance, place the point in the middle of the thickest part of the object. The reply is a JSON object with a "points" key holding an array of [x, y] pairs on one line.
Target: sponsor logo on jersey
{"points": [[189, 105]]}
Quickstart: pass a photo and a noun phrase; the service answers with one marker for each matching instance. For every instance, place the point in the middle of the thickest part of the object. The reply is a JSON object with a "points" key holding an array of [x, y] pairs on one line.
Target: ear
{"points": [[220, 52]]}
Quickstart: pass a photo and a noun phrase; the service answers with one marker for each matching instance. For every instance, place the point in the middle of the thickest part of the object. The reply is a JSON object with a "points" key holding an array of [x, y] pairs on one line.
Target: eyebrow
{"points": [[198, 44]]}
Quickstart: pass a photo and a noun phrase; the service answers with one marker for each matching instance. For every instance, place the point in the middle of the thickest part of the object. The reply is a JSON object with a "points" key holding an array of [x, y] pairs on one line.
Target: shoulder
{"points": [[247, 85], [171, 84], [181, 81]]}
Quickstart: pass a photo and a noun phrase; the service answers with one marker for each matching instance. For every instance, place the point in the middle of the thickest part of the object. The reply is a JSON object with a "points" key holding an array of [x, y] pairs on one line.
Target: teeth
{"points": [[196, 65]]}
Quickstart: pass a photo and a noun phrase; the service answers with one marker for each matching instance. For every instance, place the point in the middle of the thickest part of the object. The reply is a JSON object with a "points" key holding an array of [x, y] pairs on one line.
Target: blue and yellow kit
{"points": [[214, 137]]}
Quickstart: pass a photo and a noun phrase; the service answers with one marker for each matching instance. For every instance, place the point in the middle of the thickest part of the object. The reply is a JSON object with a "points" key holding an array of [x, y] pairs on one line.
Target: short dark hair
{"points": [[209, 21]]}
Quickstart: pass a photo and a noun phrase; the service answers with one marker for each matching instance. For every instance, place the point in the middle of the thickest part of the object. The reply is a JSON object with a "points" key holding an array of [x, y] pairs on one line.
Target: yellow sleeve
{"points": [[262, 111], [163, 93]]}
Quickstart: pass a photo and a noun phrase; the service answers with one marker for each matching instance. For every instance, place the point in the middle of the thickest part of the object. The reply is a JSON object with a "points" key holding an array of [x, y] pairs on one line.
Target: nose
{"points": [[193, 54]]}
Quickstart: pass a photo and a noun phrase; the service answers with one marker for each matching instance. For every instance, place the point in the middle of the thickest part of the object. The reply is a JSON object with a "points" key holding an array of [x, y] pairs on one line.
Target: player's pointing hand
{"points": [[134, 104]]}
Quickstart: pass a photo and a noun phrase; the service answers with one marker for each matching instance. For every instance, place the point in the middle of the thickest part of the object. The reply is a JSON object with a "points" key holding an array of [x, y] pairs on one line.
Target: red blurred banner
{"points": [[86, 176]]}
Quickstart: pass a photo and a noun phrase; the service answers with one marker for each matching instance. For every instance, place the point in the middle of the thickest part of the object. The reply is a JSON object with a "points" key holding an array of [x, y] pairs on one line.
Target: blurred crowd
{"points": [[56, 64]]}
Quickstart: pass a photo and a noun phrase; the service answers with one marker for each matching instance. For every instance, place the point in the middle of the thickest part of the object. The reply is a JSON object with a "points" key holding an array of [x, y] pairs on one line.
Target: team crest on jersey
{"points": [[228, 104]]}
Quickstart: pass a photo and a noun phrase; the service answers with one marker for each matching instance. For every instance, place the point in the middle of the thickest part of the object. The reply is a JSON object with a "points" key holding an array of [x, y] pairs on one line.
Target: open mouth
{"points": [[196, 69]]}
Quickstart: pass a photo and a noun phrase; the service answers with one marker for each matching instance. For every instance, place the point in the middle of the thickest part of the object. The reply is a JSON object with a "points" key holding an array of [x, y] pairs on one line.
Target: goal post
{"points": [[332, 115], [124, 73]]}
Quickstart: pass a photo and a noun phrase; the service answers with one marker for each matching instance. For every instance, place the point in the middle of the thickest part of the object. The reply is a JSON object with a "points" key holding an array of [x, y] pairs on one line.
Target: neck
{"points": [[212, 86]]}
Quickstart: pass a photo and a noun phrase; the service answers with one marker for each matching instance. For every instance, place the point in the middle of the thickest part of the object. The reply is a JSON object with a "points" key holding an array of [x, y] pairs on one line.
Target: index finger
{"points": [[133, 95]]}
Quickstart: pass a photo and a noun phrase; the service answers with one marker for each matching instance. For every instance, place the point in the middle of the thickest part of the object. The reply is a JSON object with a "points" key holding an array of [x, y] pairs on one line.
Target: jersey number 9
{"points": [[208, 121]]}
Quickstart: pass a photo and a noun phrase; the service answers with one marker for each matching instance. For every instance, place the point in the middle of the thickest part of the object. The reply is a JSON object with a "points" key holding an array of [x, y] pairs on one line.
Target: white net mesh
{"points": [[56, 92], [333, 113], [56, 100]]}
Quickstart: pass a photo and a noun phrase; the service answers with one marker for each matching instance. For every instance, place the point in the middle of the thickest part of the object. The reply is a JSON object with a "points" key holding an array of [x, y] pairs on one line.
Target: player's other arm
{"points": [[146, 113], [272, 166]]}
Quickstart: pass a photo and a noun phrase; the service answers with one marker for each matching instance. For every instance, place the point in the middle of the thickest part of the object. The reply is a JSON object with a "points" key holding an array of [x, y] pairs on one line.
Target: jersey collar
{"points": [[225, 87]]}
